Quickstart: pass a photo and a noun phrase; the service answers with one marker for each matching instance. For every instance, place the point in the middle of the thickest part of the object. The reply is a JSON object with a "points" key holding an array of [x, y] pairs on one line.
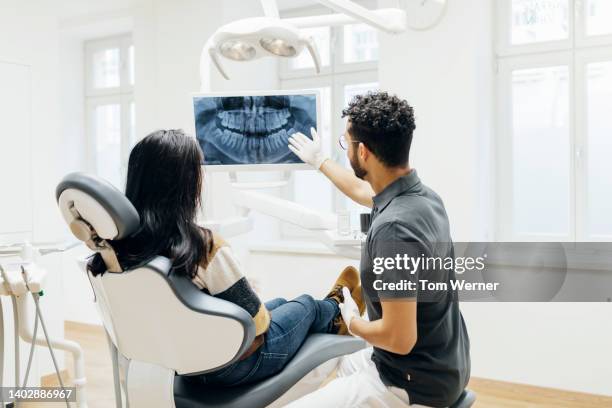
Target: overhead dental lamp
{"points": [[252, 38]]}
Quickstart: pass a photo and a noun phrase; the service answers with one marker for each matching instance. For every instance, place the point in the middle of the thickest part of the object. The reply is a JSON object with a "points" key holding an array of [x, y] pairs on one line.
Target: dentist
{"points": [[420, 354]]}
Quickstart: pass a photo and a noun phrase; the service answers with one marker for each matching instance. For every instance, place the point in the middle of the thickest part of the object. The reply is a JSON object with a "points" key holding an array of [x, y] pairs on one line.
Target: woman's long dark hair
{"points": [[164, 183]]}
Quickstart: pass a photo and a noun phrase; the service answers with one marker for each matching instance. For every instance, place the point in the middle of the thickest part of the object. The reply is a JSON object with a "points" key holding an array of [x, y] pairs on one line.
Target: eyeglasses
{"points": [[344, 144]]}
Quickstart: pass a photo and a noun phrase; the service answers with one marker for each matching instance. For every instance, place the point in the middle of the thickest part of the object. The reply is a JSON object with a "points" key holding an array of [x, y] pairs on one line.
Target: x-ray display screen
{"points": [[239, 130]]}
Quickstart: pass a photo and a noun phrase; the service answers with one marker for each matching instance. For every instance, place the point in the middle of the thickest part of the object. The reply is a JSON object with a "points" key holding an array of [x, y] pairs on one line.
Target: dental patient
{"points": [[164, 183]]}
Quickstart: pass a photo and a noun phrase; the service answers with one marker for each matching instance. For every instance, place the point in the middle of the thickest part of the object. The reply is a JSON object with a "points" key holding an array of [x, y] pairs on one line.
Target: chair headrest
{"points": [[97, 202]]}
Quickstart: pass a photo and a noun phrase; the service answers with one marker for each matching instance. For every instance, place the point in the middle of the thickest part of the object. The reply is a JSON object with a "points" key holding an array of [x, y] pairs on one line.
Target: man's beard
{"points": [[360, 172]]}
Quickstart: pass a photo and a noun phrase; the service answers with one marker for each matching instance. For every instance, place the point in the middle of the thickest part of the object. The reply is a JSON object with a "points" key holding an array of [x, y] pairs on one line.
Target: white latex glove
{"points": [[348, 309], [306, 149]]}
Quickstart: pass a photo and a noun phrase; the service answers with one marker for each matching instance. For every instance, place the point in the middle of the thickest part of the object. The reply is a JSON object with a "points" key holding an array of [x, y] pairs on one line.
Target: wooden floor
{"points": [[490, 394]]}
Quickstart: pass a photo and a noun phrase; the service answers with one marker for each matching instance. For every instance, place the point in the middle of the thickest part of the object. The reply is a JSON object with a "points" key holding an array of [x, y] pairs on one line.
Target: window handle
{"points": [[579, 153]]}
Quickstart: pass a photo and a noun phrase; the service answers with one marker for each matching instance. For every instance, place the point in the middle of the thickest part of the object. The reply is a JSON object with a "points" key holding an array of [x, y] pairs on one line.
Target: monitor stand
{"points": [[254, 185]]}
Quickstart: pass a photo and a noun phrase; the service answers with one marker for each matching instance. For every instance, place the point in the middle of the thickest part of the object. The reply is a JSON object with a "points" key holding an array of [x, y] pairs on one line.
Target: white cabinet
{"points": [[15, 151]]}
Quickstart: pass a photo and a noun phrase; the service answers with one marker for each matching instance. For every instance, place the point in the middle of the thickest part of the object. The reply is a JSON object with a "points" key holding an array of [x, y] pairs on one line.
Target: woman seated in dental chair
{"points": [[164, 183]]}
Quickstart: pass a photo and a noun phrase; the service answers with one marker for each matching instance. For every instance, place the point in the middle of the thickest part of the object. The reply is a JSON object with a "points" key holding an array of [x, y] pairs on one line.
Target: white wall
{"points": [[168, 39], [32, 40], [15, 141], [72, 100], [290, 274], [29, 35]]}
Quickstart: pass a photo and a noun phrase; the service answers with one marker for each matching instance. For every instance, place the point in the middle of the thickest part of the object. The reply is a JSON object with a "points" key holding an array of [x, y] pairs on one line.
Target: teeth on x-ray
{"points": [[254, 121], [252, 129]]}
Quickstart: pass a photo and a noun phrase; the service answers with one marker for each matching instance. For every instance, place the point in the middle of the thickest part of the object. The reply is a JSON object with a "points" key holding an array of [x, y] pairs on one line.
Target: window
{"points": [[360, 43], [349, 57], [321, 36], [555, 127], [598, 17], [536, 21], [110, 106]]}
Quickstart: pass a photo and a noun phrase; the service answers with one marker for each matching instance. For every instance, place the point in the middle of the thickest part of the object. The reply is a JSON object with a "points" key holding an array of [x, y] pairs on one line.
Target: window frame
{"points": [[335, 76], [337, 125], [582, 39], [122, 95], [574, 53], [504, 149], [582, 59], [124, 102], [123, 42], [504, 34]]}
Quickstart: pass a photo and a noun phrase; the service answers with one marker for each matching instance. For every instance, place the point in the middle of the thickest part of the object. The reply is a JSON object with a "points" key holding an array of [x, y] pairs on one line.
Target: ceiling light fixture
{"points": [[252, 38], [258, 37], [237, 50], [278, 46]]}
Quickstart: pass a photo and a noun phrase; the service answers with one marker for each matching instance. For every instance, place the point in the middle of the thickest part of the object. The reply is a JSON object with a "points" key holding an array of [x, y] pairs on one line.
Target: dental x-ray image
{"points": [[235, 130]]}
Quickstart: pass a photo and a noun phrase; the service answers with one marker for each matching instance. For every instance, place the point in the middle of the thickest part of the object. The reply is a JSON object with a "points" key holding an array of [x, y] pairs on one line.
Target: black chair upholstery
{"points": [[115, 203], [317, 349], [466, 400]]}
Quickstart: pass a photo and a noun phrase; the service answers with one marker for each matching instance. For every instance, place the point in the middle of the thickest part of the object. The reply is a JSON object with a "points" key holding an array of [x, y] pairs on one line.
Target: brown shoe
{"points": [[349, 278], [357, 295]]}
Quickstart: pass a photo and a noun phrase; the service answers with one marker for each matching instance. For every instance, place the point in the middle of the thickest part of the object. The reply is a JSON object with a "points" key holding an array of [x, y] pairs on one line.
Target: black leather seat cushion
{"points": [[317, 349], [466, 400]]}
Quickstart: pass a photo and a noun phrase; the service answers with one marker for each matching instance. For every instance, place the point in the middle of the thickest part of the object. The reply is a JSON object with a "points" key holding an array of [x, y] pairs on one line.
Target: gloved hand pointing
{"points": [[309, 151], [348, 309]]}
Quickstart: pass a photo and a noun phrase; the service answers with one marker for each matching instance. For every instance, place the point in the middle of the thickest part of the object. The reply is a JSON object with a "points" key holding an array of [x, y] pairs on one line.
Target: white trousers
{"points": [[357, 385]]}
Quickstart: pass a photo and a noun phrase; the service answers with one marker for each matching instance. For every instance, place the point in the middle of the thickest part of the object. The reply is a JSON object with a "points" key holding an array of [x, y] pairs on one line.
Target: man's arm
{"points": [[309, 151], [395, 332], [345, 180]]}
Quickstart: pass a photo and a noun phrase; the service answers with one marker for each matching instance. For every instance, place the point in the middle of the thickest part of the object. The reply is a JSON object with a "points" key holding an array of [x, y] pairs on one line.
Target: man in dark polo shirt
{"points": [[420, 354]]}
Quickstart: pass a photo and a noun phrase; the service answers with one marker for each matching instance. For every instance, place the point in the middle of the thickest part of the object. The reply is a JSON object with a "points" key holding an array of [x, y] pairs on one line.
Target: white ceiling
{"points": [[295, 4], [67, 9]]}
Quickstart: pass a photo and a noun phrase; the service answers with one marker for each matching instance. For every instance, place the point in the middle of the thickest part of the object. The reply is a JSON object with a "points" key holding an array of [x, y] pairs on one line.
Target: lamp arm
{"points": [[270, 8], [370, 17], [314, 53], [395, 20], [209, 51], [214, 57]]}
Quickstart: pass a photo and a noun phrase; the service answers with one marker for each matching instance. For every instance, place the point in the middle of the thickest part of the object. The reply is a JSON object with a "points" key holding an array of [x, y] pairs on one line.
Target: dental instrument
{"points": [[20, 275]]}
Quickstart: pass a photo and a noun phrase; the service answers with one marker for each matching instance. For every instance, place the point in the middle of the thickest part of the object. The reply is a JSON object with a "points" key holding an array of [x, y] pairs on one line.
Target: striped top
{"points": [[223, 278]]}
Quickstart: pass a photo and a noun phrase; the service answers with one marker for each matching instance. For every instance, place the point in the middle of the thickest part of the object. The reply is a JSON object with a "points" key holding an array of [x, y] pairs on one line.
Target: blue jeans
{"points": [[290, 323]]}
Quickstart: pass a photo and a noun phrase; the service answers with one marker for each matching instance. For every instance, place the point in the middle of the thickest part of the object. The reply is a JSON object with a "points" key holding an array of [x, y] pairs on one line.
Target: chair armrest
{"points": [[198, 301]]}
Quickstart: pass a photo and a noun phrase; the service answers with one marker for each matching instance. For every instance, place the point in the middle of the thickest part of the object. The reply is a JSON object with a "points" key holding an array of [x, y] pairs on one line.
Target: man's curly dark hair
{"points": [[384, 124]]}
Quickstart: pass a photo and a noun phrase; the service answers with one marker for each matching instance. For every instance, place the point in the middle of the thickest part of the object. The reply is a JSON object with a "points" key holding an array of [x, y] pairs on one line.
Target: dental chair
{"points": [[161, 327], [163, 330]]}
